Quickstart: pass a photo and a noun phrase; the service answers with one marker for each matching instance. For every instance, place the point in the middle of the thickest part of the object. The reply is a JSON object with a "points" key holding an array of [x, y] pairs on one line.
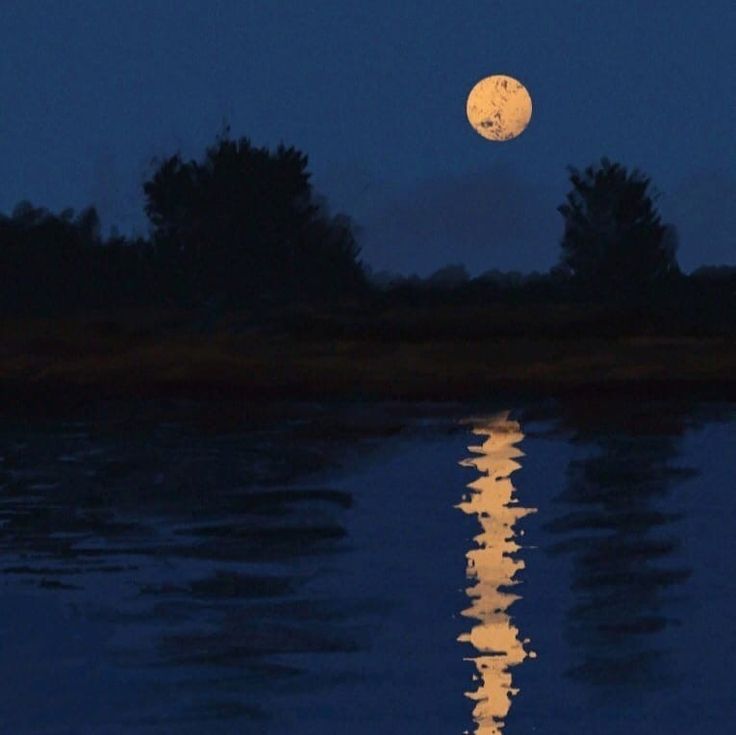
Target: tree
{"points": [[42, 257], [55, 264], [614, 241], [243, 223]]}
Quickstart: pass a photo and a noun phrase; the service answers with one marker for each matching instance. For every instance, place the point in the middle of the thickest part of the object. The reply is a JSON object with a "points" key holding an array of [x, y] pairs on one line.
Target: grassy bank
{"points": [[400, 356]]}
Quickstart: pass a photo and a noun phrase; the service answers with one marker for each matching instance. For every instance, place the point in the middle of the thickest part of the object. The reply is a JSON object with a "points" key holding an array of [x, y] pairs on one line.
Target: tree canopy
{"points": [[244, 222], [614, 240], [59, 263]]}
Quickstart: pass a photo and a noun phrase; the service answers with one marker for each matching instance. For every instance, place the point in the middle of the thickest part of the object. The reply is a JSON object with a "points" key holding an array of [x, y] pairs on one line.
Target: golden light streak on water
{"points": [[492, 568]]}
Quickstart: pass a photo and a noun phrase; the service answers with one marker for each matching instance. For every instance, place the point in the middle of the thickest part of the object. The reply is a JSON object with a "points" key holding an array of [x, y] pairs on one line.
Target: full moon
{"points": [[499, 108]]}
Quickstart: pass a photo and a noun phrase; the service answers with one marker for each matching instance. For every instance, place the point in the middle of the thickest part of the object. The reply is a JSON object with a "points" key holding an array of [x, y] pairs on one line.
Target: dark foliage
{"points": [[614, 242], [244, 228], [242, 225], [57, 264]]}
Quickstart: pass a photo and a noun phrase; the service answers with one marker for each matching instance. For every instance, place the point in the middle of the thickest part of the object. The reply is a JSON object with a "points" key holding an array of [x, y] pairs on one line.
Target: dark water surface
{"points": [[554, 568]]}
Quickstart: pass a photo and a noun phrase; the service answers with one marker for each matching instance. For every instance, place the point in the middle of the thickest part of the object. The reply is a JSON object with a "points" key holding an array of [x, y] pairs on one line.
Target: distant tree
{"points": [[715, 273], [244, 223], [614, 241], [53, 264], [507, 279], [42, 258], [449, 276]]}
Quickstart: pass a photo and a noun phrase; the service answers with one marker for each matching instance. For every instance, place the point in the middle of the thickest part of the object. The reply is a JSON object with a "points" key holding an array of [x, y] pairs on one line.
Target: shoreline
{"points": [[287, 369]]}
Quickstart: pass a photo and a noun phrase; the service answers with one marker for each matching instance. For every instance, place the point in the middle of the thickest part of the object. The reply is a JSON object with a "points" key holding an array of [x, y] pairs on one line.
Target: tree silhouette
{"points": [[243, 224], [614, 239], [59, 263]]}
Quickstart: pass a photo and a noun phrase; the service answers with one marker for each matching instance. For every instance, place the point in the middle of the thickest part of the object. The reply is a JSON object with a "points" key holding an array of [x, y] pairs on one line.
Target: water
{"points": [[494, 568], [547, 568]]}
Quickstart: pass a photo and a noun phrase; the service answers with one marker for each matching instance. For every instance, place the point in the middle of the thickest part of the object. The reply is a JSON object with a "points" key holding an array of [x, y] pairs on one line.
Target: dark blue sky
{"points": [[375, 93]]}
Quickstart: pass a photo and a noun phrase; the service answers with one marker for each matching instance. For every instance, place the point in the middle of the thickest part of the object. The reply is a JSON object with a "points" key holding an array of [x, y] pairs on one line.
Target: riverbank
{"points": [[81, 360]]}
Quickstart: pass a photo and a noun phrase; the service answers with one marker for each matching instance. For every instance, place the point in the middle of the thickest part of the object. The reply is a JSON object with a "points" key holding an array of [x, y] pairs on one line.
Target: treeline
{"points": [[58, 263], [618, 262], [243, 228]]}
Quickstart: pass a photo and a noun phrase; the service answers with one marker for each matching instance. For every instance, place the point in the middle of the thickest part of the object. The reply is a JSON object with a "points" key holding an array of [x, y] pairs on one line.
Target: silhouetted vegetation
{"points": [[614, 241], [244, 225], [52, 264], [243, 249]]}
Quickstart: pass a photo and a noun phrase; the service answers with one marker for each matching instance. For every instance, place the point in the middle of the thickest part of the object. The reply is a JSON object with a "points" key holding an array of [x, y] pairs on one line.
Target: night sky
{"points": [[375, 93]]}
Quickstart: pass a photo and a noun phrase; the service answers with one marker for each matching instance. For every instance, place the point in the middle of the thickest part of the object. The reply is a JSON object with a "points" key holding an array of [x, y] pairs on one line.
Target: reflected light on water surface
{"points": [[492, 567]]}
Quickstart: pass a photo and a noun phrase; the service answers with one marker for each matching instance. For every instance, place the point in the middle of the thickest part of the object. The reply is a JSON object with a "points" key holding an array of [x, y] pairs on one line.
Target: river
{"points": [[552, 567]]}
